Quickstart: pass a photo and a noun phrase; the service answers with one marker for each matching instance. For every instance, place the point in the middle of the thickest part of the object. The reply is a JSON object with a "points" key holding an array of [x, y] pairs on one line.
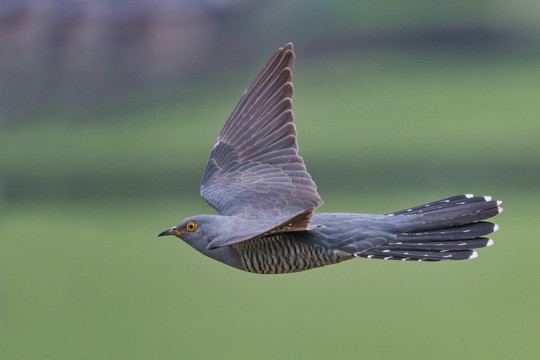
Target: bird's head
{"points": [[198, 230]]}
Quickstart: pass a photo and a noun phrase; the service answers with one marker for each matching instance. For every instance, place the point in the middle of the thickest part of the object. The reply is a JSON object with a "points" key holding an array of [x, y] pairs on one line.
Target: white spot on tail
{"points": [[487, 198], [473, 255], [468, 196], [388, 257], [495, 227], [386, 251], [489, 243], [370, 256], [499, 202], [390, 215]]}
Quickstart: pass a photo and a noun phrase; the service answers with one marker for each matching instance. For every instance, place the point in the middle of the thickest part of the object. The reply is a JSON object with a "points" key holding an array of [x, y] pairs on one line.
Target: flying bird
{"points": [[266, 199]]}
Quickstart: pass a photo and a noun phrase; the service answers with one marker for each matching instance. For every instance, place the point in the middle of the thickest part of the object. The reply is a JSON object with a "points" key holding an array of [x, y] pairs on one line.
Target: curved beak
{"points": [[171, 231]]}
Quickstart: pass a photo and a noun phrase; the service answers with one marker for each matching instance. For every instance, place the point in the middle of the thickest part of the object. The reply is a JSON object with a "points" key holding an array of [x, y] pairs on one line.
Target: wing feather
{"points": [[254, 168]]}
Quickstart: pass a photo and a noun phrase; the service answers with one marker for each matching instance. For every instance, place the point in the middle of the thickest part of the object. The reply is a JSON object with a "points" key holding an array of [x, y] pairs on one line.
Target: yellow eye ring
{"points": [[191, 226]]}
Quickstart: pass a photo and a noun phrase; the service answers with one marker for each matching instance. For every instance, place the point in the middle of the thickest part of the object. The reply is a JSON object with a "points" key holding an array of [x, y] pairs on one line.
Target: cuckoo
{"points": [[266, 200]]}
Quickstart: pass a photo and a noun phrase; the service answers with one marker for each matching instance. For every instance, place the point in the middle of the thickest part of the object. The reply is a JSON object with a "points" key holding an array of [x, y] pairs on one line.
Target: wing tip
{"points": [[288, 51]]}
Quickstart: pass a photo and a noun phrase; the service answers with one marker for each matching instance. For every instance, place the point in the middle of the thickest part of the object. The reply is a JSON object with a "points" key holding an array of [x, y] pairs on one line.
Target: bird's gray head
{"points": [[199, 230]]}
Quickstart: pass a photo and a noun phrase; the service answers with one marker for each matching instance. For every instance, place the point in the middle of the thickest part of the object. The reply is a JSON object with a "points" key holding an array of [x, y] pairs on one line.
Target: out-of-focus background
{"points": [[108, 111]]}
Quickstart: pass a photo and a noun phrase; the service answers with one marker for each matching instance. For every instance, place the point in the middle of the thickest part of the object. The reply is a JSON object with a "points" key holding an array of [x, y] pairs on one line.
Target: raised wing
{"points": [[254, 167]]}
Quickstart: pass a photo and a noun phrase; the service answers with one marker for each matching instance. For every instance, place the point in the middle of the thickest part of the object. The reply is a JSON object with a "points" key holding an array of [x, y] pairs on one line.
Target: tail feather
{"points": [[469, 231], [421, 255], [447, 229], [444, 203], [460, 210], [440, 245]]}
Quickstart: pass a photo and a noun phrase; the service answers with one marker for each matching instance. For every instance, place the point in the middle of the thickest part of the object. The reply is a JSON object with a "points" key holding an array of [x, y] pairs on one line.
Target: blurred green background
{"points": [[396, 104]]}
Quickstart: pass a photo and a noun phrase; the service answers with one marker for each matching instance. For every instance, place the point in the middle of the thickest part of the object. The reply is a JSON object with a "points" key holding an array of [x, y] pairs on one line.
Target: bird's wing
{"points": [[254, 168], [252, 228]]}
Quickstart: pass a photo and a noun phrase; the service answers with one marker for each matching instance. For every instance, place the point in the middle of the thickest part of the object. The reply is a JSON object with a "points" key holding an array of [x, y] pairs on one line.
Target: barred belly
{"points": [[282, 253]]}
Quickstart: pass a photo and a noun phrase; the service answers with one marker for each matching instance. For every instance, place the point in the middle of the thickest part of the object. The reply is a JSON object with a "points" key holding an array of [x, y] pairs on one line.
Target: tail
{"points": [[447, 229]]}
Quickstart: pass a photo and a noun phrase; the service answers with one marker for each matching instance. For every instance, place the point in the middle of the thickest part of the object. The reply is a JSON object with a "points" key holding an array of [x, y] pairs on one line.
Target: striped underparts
{"points": [[282, 253]]}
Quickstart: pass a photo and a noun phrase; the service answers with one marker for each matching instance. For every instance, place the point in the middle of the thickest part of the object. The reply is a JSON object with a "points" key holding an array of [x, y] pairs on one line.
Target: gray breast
{"points": [[282, 253]]}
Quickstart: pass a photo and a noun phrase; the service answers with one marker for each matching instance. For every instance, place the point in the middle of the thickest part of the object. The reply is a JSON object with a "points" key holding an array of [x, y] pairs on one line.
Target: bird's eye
{"points": [[191, 226]]}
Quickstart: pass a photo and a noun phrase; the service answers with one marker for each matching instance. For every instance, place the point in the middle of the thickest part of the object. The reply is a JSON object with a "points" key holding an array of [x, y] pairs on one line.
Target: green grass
{"points": [[83, 275], [92, 280]]}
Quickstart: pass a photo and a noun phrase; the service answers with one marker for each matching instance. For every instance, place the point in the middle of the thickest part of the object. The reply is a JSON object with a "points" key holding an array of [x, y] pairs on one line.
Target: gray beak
{"points": [[171, 231]]}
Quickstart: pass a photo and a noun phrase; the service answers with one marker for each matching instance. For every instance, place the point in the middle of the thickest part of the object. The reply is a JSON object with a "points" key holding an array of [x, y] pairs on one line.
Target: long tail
{"points": [[447, 229]]}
